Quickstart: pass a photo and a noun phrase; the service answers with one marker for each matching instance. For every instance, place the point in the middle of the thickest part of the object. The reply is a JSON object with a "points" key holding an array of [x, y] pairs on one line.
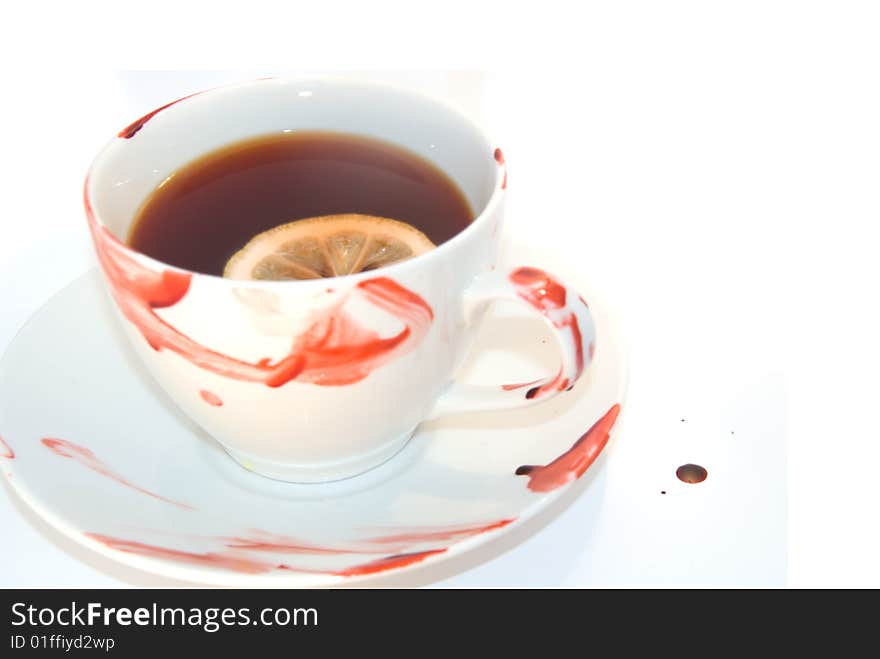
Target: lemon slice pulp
{"points": [[326, 246]]}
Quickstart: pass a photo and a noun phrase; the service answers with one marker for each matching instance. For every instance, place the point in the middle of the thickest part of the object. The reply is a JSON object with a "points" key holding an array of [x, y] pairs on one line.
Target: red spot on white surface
{"points": [[573, 463], [86, 458], [335, 350], [691, 473], [211, 398], [6, 450]]}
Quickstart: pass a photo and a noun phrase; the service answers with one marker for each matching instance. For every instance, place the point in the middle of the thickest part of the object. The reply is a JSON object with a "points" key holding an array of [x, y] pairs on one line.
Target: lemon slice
{"points": [[327, 246]]}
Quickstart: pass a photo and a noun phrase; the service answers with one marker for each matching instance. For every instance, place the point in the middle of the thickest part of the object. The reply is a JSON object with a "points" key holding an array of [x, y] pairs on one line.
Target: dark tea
{"points": [[210, 208]]}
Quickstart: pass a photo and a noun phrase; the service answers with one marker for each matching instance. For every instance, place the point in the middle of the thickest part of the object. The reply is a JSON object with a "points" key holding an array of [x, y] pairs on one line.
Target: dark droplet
{"points": [[691, 473], [662, 491]]}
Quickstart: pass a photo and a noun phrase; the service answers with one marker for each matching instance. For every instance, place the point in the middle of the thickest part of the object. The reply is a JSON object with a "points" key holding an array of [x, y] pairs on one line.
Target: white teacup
{"points": [[319, 380]]}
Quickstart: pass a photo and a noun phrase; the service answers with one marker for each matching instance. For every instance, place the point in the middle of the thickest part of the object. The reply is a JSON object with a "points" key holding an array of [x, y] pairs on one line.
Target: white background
{"points": [[710, 168]]}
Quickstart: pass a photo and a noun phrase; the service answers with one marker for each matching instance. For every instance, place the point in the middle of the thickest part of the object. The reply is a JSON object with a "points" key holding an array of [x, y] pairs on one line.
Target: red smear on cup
{"points": [[132, 129], [499, 158], [336, 350], [548, 296]]}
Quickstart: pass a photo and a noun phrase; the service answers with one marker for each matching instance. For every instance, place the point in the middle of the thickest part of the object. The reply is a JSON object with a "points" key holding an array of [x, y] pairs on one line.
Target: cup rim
{"points": [[396, 268]]}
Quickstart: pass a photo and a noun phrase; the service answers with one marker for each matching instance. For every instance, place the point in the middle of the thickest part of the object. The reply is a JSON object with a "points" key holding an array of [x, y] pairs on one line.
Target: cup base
{"points": [[324, 472]]}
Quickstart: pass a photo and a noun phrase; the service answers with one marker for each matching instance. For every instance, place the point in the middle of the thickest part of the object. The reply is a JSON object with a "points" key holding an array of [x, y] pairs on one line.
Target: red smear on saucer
{"points": [[6, 450], [438, 533], [388, 563], [519, 385], [402, 541], [211, 398], [261, 541], [86, 458], [229, 561], [573, 463], [221, 561]]}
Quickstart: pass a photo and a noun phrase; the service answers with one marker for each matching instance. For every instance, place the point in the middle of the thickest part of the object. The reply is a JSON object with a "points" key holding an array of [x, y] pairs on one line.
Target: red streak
{"points": [[131, 130], [548, 296], [573, 463], [335, 350], [538, 289], [499, 158], [338, 351], [86, 458], [6, 450], [558, 383], [388, 563], [249, 566], [211, 398], [520, 385], [572, 323], [222, 561], [440, 534], [269, 542]]}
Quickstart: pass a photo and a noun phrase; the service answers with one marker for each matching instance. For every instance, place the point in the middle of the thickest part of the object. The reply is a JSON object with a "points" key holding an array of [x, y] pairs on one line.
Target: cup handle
{"points": [[563, 310]]}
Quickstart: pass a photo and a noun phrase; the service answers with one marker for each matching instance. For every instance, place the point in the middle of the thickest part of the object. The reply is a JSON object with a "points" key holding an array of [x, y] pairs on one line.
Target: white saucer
{"points": [[98, 450]]}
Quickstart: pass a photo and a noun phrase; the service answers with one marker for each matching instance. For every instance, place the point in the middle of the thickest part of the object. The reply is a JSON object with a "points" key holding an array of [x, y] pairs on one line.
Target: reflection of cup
{"points": [[317, 380]]}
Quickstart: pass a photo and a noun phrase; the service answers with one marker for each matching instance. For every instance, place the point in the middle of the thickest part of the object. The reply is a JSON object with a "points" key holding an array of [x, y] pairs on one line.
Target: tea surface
{"points": [[207, 210]]}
